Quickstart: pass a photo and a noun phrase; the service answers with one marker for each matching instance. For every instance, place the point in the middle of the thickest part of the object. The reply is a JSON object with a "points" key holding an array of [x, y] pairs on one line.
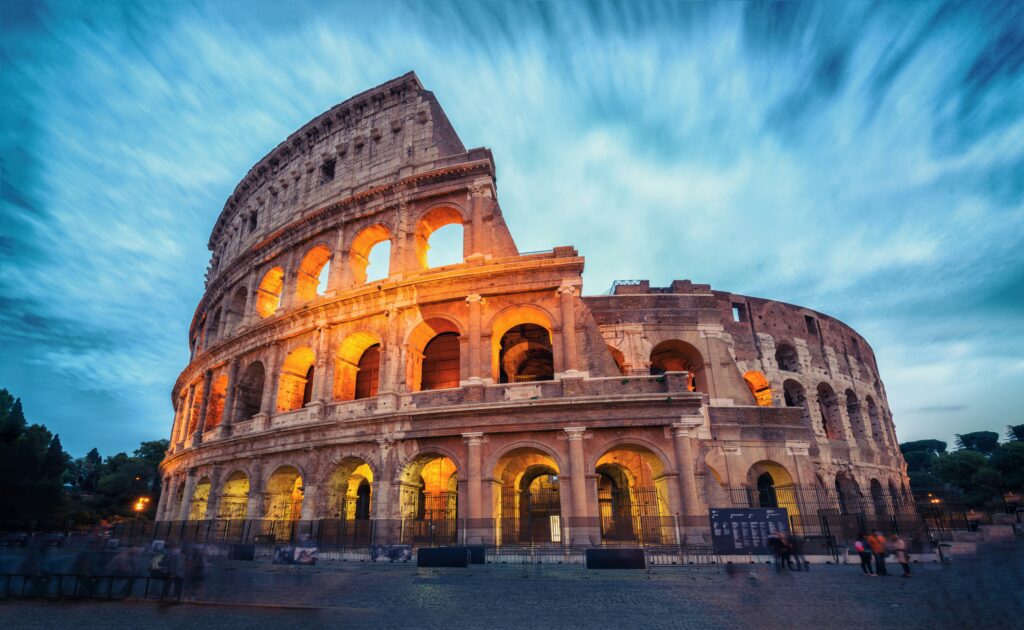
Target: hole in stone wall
{"points": [[378, 261]]}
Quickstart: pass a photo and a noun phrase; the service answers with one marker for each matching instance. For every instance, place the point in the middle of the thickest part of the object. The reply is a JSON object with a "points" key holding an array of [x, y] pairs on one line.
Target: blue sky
{"points": [[863, 160]]}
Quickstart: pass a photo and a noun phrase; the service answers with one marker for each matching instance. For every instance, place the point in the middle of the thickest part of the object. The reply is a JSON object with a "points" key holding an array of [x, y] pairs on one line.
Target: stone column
{"points": [[309, 499], [229, 400], [161, 506], [186, 497], [682, 435], [269, 388], [176, 423], [197, 437], [213, 501], [473, 496], [578, 473], [479, 195], [475, 350], [338, 263], [569, 358], [186, 418]]}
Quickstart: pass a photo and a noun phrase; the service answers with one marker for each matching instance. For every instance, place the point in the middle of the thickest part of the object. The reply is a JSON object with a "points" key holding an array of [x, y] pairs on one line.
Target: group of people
{"points": [[876, 548], [789, 551]]}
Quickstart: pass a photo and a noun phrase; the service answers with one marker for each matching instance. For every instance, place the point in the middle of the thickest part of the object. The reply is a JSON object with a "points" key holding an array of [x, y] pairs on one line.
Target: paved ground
{"points": [[970, 593]]}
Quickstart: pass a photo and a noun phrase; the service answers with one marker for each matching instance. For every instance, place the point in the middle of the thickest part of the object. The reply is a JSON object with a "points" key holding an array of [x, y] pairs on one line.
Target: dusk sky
{"points": [[866, 161]]}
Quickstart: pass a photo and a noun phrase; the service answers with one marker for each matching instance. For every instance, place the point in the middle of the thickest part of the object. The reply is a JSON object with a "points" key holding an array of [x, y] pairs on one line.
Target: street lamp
{"points": [[140, 505]]}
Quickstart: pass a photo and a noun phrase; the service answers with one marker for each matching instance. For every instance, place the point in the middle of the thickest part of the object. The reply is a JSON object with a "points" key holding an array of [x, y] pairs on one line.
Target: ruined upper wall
{"points": [[386, 133]]}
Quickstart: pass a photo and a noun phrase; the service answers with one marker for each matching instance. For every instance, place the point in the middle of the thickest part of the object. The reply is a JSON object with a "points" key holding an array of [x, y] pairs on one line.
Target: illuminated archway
{"points": [[359, 253], [349, 491], [521, 317], [527, 500], [268, 294], [284, 495], [619, 358], [632, 496], [315, 264], [428, 224], [249, 394], [759, 387], [675, 355], [234, 498], [771, 486], [357, 367], [200, 499], [433, 355], [295, 388], [215, 408], [428, 499]]}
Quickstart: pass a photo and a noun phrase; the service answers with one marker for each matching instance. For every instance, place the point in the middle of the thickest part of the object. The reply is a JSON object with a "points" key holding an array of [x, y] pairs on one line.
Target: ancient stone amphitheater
{"points": [[489, 400]]}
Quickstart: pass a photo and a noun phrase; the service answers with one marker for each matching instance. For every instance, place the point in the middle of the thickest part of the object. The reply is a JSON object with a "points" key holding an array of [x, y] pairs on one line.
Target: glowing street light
{"points": [[140, 505]]}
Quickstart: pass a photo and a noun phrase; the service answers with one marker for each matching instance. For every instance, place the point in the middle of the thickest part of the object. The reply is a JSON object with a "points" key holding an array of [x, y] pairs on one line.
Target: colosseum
{"points": [[489, 401]]}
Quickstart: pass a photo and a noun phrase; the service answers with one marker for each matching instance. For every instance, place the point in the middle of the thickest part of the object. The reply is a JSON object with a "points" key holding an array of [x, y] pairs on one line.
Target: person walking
{"points": [[863, 550], [899, 551], [877, 543], [797, 544]]}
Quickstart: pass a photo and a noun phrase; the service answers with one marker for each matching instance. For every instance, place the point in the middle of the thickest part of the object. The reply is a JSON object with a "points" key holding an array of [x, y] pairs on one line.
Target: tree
{"points": [[1008, 461], [936, 447], [983, 442], [959, 467], [919, 460], [32, 465], [1015, 433]]}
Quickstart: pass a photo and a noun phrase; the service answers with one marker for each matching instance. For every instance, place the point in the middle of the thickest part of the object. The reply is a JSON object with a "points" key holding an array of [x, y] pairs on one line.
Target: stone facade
{"points": [[490, 391]]}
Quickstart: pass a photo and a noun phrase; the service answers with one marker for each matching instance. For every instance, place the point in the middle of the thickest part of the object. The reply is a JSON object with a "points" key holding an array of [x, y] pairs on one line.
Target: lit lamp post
{"points": [[140, 505]]}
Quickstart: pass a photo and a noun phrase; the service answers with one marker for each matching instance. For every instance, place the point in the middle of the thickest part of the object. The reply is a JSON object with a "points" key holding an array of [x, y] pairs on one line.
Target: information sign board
{"points": [[746, 530]]}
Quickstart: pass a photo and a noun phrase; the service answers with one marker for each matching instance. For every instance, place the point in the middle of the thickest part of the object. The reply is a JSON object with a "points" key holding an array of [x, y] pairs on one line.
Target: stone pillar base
{"points": [[261, 422]]}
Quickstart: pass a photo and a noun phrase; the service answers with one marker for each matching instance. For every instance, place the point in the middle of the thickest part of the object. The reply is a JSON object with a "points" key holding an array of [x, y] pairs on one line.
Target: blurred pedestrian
{"points": [[899, 551], [164, 566], [796, 541], [879, 551], [195, 572], [777, 545], [125, 565], [863, 550]]}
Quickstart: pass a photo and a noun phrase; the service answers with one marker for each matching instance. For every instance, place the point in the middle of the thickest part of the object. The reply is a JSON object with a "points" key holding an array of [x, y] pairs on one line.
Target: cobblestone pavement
{"points": [[969, 593]]}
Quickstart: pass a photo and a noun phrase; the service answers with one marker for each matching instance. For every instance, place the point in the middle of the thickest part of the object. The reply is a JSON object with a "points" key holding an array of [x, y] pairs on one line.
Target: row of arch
{"points": [[867, 421], [368, 257]]}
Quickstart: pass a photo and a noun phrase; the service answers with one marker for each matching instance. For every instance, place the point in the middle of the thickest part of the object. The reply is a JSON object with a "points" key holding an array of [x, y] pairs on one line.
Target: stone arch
{"points": [[878, 499], [796, 396], [307, 283], [847, 493], [284, 492], [527, 501], [213, 327], [759, 387], [268, 294], [357, 375], [875, 419], [200, 500], [675, 355], [534, 445], [853, 411], [786, 358], [527, 321], [619, 358], [215, 408], [249, 393], [828, 405], [359, 251], [428, 497], [772, 485], [236, 310], [234, 496], [433, 354], [295, 383], [431, 221], [632, 494], [349, 490]]}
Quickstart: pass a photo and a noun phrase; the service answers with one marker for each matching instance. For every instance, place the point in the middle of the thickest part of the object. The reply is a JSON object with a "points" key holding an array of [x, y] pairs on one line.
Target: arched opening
{"points": [[875, 419], [528, 508], [759, 387], [268, 295], [619, 358], [312, 276], [856, 418], [376, 240], [439, 238], [847, 494], [879, 503], [234, 498], [787, 358], [632, 496], [213, 327], [678, 356], [200, 499], [828, 405], [772, 486], [249, 395], [357, 367], [796, 396], [504, 323], [895, 499], [215, 408], [434, 357], [197, 405], [236, 311], [428, 500], [349, 501], [294, 388], [525, 355], [284, 495]]}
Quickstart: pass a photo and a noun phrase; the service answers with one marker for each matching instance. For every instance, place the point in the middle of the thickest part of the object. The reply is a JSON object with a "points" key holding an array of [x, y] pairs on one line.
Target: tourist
{"points": [[195, 572], [899, 551], [797, 544], [863, 550], [877, 543], [778, 546]]}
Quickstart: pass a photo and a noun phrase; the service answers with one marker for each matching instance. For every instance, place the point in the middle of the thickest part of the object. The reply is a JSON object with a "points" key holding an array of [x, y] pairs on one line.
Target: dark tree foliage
{"points": [[984, 442], [32, 465], [919, 460], [936, 447], [1015, 433]]}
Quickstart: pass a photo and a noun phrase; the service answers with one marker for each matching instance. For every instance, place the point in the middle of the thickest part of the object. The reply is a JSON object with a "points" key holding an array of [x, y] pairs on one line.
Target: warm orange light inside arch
{"points": [[268, 295], [234, 498], [428, 224], [346, 367], [421, 336], [515, 316], [309, 273], [759, 387], [292, 387], [215, 408], [359, 253]]}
